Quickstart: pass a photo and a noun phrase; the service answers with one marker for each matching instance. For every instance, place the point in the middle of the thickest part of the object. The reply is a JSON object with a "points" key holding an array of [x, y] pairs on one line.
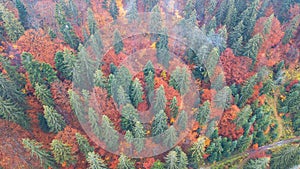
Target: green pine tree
{"points": [[129, 117], [122, 97], [76, 104], [125, 163], [180, 80], [91, 22], [109, 134], [99, 79], [136, 92], [182, 120], [174, 109], [260, 163], [159, 124], [162, 49], [62, 152], [43, 94], [160, 100], [95, 161], [196, 152], [202, 115], [247, 90], [118, 42], [35, 149], [54, 120], [172, 160], [223, 98], [252, 47], [212, 61], [170, 137], [84, 145], [139, 134], [22, 11], [155, 23], [93, 120], [132, 12], [287, 157], [113, 9], [291, 29]]}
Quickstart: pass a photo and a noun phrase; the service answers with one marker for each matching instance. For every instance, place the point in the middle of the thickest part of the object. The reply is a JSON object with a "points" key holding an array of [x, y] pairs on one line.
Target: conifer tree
{"points": [[212, 6], [237, 46], [22, 11], [139, 135], [162, 49], [221, 13], [132, 12], [182, 158], [122, 97], [64, 63], [129, 136], [159, 125], [136, 92], [113, 9], [43, 94], [189, 7], [212, 61], [109, 134], [84, 145], [76, 104], [268, 87], [261, 163], [155, 23], [54, 120], [118, 42], [268, 25], [248, 17], [125, 162], [148, 68], [202, 115], [215, 150], [243, 116], [35, 149], [285, 158], [123, 77], [244, 142], [291, 29], [160, 100], [150, 86], [174, 107], [62, 152], [170, 137], [232, 15], [99, 79], [129, 117], [97, 44], [223, 98], [158, 165], [179, 80], [73, 11], [212, 25], [247, 90], [91, 22], [172, 160], [196, 152], [182, 120], [236, 33], [93, 120], [95, 161], [12, 26], [219, 82], [252, 47]]}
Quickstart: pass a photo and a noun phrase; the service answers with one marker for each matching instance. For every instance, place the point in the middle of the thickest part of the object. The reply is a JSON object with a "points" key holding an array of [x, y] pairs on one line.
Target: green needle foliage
{"points": [[95, 161], [84, 144], [54, 120], [62, 152], [136, 92], [125, 163]]}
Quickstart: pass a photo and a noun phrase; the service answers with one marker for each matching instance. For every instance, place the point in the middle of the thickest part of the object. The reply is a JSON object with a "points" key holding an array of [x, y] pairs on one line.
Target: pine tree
{"points": [[268, 25], [189, 7], [77, 104], [118, 42], [73, 10], [196, 152], [158, 165], [113, 9], [219, 82], [125, 163], [43, 94], [122, 97], [35, 149], [129, 136], [150, 86], [54, 120], [172, 160], [232, 15], [174, 109], [224, 35], [62, 152], [243, 116], [252, 47], [162, 49], [215, 150], [285, 158], [212, 6], [159, 125], [202, 115], [223, 98], [268, 87], [91, 22], [244, 142], [236, 33], [93, 120], [99, 79], [221, 12], [260, 163], [63, 64], [97, 45], [182, 158], [148, 68], [109, 134], [170, 137], [155, 23], [129, 117], [136, 92], [237, 46], [247, 90], [139, 134], [182, 120], [132, 12], [95, 161], [248, 17], [160, 100], [180, 80], [212, 25], [12, 26], [84, 145], [212, 61], [291, 29], [23, 15]]}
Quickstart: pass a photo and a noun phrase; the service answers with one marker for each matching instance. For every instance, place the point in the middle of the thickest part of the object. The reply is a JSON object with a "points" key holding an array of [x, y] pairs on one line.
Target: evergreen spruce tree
{"points": [[174, 110], [129, 117], [118, 42], [35, 149], [73, 10], [160, 124], [125, 163], [244, 142], [236, 33], [139, 134], [93, 120], [223, 98], [129, 136], [212, 6], [97, 45], [285, 158], [189, 7], [291, 29], [172, 160], [212, 61], [247, 90], [237, 46], [243, 116], [196, 153], [43, 94], [268, 87], [268, 25], [150, 86], [160, 100], [13, 28], [23, 15], [215, 150], [248, 17], [113, 9], [179, 80], [170, 137], [162, 49], [202, 115], [95, 161], [76, 104], [122, 97], [252, 47], [109, 134], [54, 120], [136, 92], [260, 163], [62, 66], [182, 120], [212, 25], [62, 152], [221, 12], [84, 145], [232, 15], [182, 158], [148, 68], [158, 165], [91, 22], [155, 23], [218, 82], [132, 12], [99, 79], [123, 78]]}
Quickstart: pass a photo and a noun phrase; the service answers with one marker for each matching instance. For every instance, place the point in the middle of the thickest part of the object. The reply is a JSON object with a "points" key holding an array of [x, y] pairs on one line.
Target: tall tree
{"points": [[139, 134], [291, 29], [155, 23], [243, 116], [84, 145], [54, 120], [23, 15], [180, 80], [285, 158], [125, 162], [95, 161], [109, 134], [196, 152], [43, 94], [77, 104], [182, 120], [113, 9], [118, 42], [123, 78], [129, 117], [122, 97], [62, 152], [136, 92], [202, 115], [260, 163], [91, 22], [223, 98], [162, 49], [212, 61], [170, 137], [247, 90], [174, 109], [35, 149], [159, 125], [189, 7], [99, 79], [160, 100], [132, 12], [150, 86], [148, 68], [252, 47], [93, 120], [172, 160]]}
